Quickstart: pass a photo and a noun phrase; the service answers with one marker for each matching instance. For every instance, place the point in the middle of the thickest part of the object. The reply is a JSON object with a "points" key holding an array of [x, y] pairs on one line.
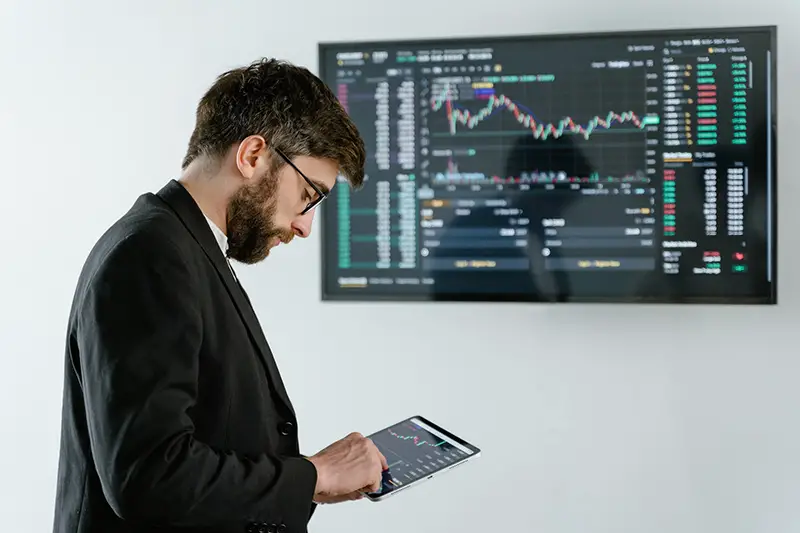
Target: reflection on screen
{"points": [[632, 166], [415, 451]]}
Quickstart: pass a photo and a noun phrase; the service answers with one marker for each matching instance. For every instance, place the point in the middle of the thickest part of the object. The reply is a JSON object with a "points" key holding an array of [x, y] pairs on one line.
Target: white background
{"points": [[593, 419]]}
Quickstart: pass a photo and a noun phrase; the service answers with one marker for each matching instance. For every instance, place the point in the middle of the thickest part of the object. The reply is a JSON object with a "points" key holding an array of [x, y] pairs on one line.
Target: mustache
{"points": [[287, 236]]}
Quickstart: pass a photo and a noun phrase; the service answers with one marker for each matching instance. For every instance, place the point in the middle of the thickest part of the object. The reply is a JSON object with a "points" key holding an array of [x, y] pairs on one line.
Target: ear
{"points": [[251, 156]]}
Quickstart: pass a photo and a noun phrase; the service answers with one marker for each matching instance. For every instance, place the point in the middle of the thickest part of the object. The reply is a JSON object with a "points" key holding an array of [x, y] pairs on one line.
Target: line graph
{"points": [[456, 115], [577, 126], [415, 439]]}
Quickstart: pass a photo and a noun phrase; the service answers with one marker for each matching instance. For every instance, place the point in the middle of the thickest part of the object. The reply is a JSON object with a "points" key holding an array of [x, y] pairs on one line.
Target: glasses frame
{"points": [[321, 195]]}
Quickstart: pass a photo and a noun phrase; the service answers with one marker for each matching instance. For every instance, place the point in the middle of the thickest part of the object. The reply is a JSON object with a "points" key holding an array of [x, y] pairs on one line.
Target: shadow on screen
{"points": [[534, 281]]}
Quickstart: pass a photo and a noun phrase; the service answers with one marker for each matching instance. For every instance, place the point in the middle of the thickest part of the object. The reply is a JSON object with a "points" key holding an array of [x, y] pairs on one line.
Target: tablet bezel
{"points": [[476, 452]]}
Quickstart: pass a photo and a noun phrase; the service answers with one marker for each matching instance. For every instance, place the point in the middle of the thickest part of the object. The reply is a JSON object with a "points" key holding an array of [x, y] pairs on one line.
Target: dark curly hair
{"points": [[286, 104]]}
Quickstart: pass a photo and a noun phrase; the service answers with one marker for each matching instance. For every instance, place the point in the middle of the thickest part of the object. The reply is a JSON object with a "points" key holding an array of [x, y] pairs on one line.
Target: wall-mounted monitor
{"points": [[624, 167]]}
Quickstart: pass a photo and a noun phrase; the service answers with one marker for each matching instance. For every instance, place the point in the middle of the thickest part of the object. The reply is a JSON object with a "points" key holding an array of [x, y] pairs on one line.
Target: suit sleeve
{"points": [[139, 337]]}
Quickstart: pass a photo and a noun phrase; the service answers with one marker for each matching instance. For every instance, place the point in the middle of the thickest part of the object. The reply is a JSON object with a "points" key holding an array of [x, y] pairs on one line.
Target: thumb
{"points": [[340, 498]]}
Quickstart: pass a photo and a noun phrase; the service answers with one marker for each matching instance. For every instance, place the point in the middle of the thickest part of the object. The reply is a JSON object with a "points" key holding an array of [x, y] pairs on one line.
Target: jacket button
{"points": [[286, 428]]}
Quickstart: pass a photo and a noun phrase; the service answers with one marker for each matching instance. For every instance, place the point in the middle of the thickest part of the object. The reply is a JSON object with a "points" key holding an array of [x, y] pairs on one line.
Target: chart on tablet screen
{"points": [[414, 452]]}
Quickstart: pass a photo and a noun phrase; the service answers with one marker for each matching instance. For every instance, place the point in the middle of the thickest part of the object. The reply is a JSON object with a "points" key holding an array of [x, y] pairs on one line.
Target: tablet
{"points": [[416, 450]]}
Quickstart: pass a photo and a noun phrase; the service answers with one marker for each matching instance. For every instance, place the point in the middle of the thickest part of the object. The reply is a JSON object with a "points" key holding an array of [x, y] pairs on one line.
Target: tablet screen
{"points": [[416, 449]]}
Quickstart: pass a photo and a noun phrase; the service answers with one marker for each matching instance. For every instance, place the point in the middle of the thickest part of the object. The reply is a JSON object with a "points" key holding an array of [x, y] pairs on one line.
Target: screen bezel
{"points": [[474, 449], [327, 295]]}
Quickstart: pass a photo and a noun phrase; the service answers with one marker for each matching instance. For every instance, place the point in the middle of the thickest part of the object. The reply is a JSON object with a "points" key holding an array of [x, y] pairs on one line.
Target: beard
{"points": [[251, 227]]}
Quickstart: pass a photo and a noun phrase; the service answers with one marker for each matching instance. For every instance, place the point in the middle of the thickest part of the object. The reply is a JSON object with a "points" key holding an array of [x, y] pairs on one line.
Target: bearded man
{"points": [[175, 418]]}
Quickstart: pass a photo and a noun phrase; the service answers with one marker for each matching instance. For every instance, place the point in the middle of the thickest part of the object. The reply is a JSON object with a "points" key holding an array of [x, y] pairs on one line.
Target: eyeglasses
{"points": [[320, 189]]}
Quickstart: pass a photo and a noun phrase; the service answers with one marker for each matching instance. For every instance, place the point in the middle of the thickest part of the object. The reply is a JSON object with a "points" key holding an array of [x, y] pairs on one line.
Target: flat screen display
{"points": [[416, 449], [625, 167]]}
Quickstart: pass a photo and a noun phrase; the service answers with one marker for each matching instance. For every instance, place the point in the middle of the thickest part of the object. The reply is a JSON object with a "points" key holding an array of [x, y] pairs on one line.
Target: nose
{"points": [[302, 224]]}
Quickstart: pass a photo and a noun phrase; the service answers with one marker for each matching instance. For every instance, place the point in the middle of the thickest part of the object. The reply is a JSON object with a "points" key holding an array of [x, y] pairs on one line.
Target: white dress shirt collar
{"points": [[219, 235]]}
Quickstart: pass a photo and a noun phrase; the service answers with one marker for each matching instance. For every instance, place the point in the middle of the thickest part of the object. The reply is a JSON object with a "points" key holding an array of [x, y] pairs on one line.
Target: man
{"points": [[175, 418]]}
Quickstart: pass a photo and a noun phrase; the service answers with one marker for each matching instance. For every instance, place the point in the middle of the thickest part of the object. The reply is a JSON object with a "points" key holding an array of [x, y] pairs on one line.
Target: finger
{"points": [[341, 498], [384, 462], [375, 486], [355, 495]]}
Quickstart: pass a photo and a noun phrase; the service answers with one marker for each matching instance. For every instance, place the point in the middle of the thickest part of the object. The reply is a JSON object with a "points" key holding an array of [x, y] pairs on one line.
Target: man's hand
{"points": [[346, 467], [324, 500]]}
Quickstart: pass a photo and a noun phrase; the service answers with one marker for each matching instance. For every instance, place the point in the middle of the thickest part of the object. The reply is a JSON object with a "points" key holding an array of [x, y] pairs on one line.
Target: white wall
{"points": [[614, 419]]}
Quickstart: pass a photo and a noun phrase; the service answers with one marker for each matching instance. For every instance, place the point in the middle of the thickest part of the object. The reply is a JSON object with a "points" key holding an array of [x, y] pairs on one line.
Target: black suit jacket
{"points": [[175, 418]]}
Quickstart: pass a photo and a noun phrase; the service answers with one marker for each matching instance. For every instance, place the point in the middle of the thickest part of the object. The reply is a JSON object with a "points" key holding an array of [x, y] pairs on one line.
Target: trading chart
{"points": [[415, 452]]}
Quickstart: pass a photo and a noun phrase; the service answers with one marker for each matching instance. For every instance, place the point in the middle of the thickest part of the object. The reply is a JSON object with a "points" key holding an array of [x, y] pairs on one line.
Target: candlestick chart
{"points": [[528, 130]]}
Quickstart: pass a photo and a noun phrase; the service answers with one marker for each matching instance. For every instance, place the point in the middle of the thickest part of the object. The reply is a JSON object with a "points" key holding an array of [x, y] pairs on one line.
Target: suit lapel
{"points": [[192, 217]]}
